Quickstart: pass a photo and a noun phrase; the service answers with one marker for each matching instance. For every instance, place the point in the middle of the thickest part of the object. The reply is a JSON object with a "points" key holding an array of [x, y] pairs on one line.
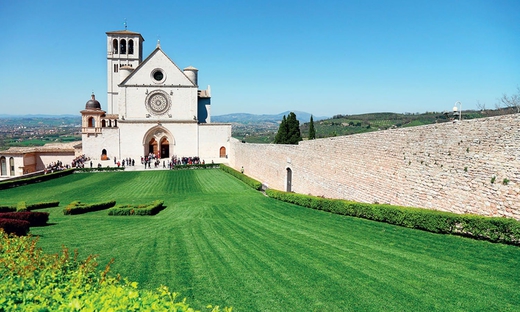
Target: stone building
{"points": [[152, 107], [18, 161]]}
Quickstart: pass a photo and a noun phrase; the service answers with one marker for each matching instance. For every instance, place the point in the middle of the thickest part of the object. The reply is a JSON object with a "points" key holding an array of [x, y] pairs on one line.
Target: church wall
{"points": [[109, 140], [212, 138], [183, 103], [181, 136], [44, 159], [467, 167]]}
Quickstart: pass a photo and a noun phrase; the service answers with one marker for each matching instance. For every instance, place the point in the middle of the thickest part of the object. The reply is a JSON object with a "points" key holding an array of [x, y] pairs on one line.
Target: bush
{"points": [[138, 210], [35, 179], [242, 177], [31, 280], [14, 226], [502, 230], [77, 207], [21, 206], [196, 166], [4, 208], [100, 169], [41, 205], [34, 218]]}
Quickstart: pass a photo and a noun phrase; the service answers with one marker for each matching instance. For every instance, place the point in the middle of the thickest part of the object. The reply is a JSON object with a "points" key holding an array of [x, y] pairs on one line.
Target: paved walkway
{"points": [[138, 166]]}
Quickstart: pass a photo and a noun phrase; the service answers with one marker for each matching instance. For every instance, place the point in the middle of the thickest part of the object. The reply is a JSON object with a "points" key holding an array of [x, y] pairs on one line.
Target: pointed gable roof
{"points": [[141, 74]]}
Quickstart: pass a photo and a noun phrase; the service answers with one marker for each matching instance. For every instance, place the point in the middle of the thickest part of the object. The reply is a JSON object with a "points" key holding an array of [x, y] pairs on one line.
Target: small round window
{"points": [[158, 76]]}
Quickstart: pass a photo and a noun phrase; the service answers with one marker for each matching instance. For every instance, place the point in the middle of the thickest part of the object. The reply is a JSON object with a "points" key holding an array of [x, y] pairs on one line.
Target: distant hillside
{"points": [[245, 118]]}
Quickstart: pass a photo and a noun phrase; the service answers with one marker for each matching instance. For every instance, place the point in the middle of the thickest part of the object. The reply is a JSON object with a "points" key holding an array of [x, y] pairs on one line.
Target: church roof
{"points": [[154, 52], [93, 103], [68, 147], [125, 32]]}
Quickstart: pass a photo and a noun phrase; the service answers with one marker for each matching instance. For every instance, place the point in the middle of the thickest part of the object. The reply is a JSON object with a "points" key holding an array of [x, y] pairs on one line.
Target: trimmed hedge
{"points": [[137, 210], [34, 218], [77, 207], [4, 208], [196, 166], [14, 226], [100, 169], [500, 230], [242, 177], [23, 206], [35, 179], [42, 205]]}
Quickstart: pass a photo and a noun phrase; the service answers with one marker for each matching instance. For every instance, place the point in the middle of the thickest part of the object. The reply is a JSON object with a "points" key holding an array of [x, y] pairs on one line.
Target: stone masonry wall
{"points": [[471, 166]]}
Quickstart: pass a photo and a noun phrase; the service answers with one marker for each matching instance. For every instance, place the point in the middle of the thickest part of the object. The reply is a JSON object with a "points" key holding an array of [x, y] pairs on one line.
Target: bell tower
{"points": [[124, 49]]}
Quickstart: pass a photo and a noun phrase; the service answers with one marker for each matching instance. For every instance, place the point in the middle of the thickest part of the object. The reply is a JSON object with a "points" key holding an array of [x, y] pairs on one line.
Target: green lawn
{"points": [[219, 242]]}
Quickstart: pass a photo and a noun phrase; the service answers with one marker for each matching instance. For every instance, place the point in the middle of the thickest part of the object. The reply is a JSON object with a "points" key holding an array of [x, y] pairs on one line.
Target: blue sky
{"points": [[265, 57]]}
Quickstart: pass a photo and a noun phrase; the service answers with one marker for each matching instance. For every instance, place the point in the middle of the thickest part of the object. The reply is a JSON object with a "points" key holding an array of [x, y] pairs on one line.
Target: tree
{"points": [[289, 130], [512, 101], [312, 131], [281, 135]]}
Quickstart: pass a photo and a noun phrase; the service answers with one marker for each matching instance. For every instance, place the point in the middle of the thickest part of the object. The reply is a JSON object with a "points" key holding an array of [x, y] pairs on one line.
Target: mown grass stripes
{"points": [[221, 242]]}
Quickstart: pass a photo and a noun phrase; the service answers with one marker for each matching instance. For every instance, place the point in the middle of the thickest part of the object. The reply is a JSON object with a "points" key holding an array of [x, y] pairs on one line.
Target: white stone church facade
{"points": [[152, 107]]}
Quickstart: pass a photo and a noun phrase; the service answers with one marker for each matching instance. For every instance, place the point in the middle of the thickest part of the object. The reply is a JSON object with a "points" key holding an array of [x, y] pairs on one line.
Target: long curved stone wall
{"points": [[471, 166]]}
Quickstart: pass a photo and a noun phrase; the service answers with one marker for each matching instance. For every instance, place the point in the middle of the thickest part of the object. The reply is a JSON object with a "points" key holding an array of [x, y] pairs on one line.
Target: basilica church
{"points": [[152, 107]]}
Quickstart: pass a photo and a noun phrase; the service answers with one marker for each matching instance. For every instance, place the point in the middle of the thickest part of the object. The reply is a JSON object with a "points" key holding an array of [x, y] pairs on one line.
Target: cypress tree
{"points": [[293, 129], [281, 135], [312, 131]]}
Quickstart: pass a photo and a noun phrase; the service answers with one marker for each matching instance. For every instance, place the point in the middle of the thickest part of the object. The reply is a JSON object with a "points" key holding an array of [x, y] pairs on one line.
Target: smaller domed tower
{"points": [[91, 116]]}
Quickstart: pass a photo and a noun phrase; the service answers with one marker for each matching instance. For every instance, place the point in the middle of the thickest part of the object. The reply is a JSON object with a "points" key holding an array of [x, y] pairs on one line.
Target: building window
{"points": [[116, 68], [3, 166], [11, 166], [114, 46], [91, 122], [123, 46], [130, 46]]}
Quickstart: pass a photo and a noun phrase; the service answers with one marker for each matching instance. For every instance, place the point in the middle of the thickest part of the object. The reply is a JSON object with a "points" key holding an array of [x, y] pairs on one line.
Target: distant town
{"points": [[38, 130]]}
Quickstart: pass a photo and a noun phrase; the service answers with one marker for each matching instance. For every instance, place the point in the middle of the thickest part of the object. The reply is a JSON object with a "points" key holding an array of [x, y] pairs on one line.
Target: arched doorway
{"points": [[165, 148], [222, 152], [289, 180], [104, 154], [152, 146], [159, 141]]}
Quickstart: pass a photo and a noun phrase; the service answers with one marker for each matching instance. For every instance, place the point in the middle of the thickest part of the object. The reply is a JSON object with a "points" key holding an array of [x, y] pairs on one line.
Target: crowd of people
{"points": [[79, 162], [125, 162]]}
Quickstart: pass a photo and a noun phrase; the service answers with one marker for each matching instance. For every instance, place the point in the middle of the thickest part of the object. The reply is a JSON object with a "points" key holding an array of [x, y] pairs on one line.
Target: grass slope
{"points": [[220, 242]]}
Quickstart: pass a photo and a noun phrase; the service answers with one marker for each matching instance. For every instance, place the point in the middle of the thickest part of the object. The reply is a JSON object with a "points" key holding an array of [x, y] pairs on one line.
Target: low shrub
{"points": [[196, 166], [502, 230], [137, 210], [4, 208], [31, 280], [14, 226], [34, 218], [77, 207], [99, 169], [242, 177], [42, 205], [35, 179], [21, 206]]}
